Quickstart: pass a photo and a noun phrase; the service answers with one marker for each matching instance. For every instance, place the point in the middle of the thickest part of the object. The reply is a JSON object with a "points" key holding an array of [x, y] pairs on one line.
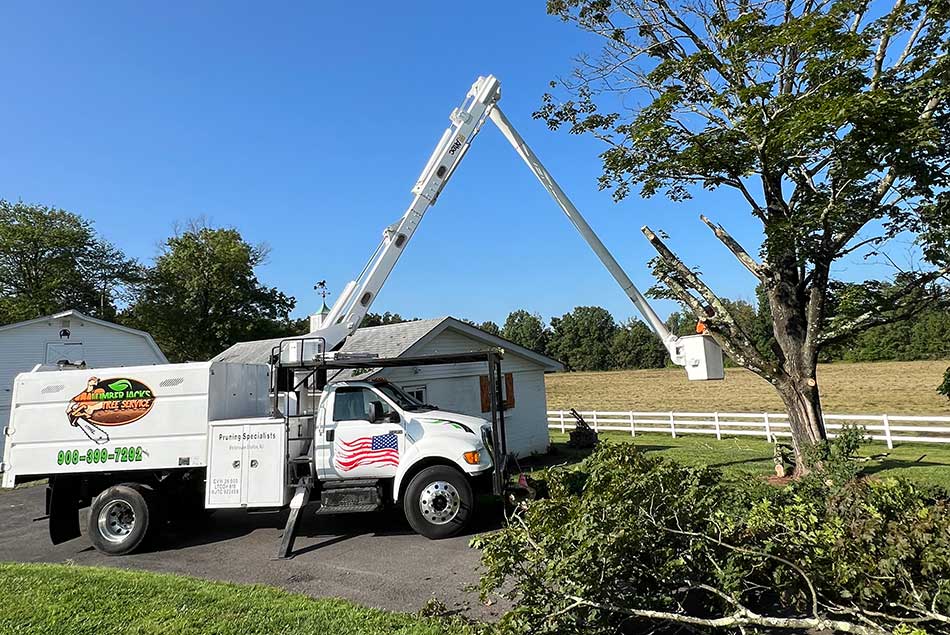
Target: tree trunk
{"points": [[796, 317], [803, 404]]}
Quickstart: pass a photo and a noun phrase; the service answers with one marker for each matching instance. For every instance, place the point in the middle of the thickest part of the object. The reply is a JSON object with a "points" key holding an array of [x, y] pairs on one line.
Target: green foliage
{"points": [[490, 327], [635, 345], [681, 323], [202, 295], [720, 101], [526, 329], [377, 319], [944, 388], [628, 531], [829, 122], [925, 336], [49, 598], [52, 260], [581, 339]]}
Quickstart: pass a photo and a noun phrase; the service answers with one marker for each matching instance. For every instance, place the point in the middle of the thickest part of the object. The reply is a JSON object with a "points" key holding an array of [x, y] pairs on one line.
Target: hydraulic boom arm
{"points": [[700, 354]]}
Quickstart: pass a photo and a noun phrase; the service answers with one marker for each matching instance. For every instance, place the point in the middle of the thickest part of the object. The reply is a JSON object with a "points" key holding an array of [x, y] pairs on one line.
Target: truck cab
{"points": [[432, 461]]}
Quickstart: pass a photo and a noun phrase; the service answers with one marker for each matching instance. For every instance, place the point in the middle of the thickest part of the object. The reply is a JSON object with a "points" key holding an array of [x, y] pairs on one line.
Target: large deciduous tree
{"points": [[202, 295], [52, 260], [526, 329], [829, 119], [581, 339]]}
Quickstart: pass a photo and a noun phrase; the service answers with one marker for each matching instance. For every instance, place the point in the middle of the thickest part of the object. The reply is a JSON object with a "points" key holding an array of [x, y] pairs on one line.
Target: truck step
{"points": [[350, 500], [349, 484], [351, 509]]}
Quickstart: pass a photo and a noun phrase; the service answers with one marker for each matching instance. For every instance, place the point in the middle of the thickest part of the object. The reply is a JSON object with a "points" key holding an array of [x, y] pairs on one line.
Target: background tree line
{"points": [[588, 338], [201, 294]]}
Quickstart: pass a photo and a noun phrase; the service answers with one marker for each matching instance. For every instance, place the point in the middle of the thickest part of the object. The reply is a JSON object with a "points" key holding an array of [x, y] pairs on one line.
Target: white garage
{"points": [[457, 387], [69, 337]]}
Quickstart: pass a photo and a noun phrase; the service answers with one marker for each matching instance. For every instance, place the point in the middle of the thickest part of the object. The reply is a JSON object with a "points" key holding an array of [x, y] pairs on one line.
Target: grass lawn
{"points": [[743, 458], [897, 388], [60, 599]]}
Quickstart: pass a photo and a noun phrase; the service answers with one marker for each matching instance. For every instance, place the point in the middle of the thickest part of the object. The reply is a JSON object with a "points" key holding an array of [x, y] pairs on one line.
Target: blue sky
{"points": [[305, 126]]}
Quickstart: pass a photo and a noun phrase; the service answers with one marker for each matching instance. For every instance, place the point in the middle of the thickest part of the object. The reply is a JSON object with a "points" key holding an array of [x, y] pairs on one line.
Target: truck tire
{"points": [[119, 519], [438, 502]]}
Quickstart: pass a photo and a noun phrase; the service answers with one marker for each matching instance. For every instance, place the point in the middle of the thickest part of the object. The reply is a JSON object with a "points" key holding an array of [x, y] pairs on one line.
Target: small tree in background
{"points": [[526, 329], [581, 339], [52, 260], [202, 295], [829, 120]]}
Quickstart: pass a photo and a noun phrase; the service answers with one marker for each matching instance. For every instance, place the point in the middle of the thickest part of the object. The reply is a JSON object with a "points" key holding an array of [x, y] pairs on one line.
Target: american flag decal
{"points": [[379, 450]]}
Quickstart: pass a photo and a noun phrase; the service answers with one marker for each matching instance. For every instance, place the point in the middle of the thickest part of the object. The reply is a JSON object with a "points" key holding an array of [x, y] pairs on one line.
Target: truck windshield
{"points": [[402, 399]]}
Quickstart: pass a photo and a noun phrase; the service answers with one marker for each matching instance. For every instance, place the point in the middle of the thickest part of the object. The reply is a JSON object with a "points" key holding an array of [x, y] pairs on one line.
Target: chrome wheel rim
{"points": [[439, 502], [116, 521]]}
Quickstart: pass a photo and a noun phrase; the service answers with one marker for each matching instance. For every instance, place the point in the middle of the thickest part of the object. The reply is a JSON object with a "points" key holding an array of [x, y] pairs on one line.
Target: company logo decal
{"points": [[109, 402]]}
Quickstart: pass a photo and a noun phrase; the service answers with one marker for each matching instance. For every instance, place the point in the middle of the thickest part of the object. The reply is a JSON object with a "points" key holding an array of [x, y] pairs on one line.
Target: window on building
{"points": [[416, 392], [507, 392]]}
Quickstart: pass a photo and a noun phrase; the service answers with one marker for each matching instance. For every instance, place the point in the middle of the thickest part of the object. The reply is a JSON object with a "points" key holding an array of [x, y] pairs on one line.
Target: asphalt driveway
{"points": [[374, 559]]}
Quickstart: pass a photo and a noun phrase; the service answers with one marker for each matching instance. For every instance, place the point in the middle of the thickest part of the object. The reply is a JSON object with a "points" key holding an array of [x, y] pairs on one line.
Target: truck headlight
{"points": [[472, 457]]}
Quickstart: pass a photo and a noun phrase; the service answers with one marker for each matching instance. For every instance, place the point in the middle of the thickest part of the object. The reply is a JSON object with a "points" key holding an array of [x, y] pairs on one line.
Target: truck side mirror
{"points": [[376, 413]]}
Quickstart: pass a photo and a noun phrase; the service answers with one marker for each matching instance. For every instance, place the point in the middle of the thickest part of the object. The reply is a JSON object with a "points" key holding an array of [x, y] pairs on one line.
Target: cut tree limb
{"points": [[737, 250], [741, 617], [722, 324]]}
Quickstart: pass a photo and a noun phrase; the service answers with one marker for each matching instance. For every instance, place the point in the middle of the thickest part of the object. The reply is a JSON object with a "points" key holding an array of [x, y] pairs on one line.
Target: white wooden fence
{"points": [[770, 426]]}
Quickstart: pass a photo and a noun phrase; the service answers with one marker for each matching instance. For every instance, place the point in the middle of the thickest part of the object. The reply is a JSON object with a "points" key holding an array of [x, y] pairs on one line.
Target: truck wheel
{"points": [[438, 502], [119, 520]]}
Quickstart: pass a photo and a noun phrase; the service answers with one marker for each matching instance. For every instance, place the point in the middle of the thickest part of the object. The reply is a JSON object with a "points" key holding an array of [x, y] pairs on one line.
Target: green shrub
{"points": [[627, 533]]}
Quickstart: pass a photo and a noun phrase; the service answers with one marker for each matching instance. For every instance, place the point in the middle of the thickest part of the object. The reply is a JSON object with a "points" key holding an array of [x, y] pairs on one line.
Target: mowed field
{"points": [[898, 388]]}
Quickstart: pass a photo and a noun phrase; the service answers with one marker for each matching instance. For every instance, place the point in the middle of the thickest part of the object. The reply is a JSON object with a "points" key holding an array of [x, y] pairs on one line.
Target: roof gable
{"points": [[393, 340], [549, 364], [375, 341], [73, 313]]}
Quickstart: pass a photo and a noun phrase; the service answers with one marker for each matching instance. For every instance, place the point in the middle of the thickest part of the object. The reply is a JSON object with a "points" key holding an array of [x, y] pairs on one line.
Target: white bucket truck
{"points": [[138, 443], [134, 442]]}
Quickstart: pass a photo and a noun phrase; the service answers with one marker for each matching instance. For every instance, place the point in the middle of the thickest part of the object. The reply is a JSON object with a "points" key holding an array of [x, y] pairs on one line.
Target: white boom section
{"points": [[699, 354], [352, 305], [592, 239]]}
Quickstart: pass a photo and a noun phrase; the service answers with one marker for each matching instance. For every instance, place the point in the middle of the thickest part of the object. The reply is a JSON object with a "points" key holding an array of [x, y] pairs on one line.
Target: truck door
{"points": [[361, 449]]}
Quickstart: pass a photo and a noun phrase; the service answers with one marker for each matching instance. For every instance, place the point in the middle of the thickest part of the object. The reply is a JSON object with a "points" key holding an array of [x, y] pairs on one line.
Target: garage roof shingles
{"points": [[389, 340]]}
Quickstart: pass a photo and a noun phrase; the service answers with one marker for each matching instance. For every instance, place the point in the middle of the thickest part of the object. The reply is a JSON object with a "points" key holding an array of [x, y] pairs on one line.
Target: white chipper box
{"points": [[129, 418]]}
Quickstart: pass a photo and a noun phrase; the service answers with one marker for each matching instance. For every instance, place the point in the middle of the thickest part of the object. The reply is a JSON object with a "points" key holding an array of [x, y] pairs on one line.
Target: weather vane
{"points": [[321, 288]]}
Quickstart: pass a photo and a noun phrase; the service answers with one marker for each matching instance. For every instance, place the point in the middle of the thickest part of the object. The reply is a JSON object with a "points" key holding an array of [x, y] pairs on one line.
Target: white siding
{"points": [[24, 347], [449, 341], [456, 387]]}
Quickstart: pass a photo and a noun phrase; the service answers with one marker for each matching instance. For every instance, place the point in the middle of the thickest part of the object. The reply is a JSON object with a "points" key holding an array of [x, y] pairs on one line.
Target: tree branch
{"points": [[883, 44], [741, 617], [737, 250], [888, 312], [722, 324]]}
